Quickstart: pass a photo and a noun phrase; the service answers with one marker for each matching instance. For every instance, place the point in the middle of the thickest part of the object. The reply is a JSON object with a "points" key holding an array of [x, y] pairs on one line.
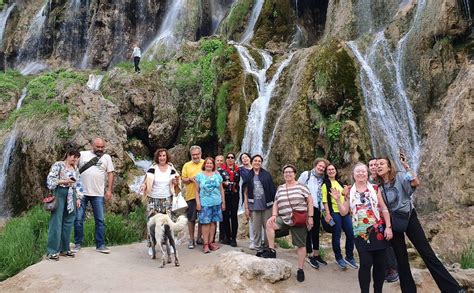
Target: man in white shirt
{"points": [[95, 167], [136, 55]]}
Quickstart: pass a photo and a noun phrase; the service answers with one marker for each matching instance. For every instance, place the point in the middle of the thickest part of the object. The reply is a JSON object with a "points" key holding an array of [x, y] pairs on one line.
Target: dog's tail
{"points": [[179, 225]]}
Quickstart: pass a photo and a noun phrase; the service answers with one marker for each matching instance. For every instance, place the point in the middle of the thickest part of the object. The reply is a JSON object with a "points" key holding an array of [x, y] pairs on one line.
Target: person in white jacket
{"points": [[136, 55]]}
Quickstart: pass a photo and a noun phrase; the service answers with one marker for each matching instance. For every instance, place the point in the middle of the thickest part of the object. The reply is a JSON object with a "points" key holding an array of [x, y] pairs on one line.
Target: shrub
{"points": [[221, 119], [23, 242], [283, 243], [467, 257], [334, 130]]}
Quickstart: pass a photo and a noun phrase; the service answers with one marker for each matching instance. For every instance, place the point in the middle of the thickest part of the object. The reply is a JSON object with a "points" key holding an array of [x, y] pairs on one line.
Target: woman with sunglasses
{"points": [[364, 202], [231, 188], [397, 188], [339, 222]]}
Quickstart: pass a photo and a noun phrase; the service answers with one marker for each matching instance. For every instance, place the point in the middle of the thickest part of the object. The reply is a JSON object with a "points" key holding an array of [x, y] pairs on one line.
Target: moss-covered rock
{"points": [[276, 23]]}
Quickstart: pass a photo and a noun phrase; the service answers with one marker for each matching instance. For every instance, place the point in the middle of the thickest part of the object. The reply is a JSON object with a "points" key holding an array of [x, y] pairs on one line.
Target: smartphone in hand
{"points": [[73, 179]]}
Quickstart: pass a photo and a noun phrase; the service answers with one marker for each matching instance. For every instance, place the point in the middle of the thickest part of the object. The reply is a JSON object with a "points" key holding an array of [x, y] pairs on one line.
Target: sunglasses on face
{"points": [[230, 157]]}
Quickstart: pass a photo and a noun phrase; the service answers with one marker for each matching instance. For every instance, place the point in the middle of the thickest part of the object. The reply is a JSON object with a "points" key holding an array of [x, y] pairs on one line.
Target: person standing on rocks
{"points": [[397, 188], [95, 167], [365, 204], [136, 55], [245, 167], [189, 172], [391, 268], [313, 179], [259, 195], [291, 196]]}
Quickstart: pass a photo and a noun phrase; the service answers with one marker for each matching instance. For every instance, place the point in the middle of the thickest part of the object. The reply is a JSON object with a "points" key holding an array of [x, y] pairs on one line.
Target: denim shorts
{"points": [[191, 212], [210, 214]]}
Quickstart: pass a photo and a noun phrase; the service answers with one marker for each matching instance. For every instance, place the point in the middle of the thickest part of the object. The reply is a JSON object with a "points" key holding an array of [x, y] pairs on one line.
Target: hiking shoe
{"points": [[341, 263], [269, 253], [76, 248], [67, 254], [313, 262], [252, 246], [233, 243], [150, 251], [191, 244], [103, 249], [200, 241], [321, 260], [300, 275], [351, 262], [391, 276], [53, 256], [260, 251]]}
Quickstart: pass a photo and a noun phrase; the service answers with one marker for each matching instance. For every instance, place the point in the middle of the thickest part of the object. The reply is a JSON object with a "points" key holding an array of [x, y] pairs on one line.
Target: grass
{"points": [[23, 240], [283, 243], [145, 66], [467, 257], [36, 109], [221, 104], [11, 83]]}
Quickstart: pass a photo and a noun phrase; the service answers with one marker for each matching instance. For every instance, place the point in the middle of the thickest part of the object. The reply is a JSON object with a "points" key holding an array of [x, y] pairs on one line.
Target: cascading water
{"points": [[94, 81], [253, 137], [138, 180], [391, 121], [4, 14], [167, 37], [8, 149], [218, 12], [248, 33], [30, 48]]}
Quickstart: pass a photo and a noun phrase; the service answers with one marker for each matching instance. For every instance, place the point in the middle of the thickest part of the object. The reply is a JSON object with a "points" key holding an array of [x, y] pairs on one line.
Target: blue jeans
{"points": [[97, 203], [342, 223]]}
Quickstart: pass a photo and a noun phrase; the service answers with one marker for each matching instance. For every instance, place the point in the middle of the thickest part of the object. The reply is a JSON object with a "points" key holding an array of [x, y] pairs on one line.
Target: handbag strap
{"points": [[331, 210], [385, 199]]}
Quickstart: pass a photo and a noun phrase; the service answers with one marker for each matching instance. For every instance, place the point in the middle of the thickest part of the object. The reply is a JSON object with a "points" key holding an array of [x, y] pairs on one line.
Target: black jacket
{"points": [[267, 183]]}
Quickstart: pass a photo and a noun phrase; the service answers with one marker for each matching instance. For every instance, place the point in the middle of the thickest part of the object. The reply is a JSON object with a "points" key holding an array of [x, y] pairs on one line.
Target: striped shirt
{"points": [[297, 195]]}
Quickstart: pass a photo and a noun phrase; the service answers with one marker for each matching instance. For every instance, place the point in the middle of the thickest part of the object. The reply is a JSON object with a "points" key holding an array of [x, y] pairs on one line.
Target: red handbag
{"points": [[298, 218]]}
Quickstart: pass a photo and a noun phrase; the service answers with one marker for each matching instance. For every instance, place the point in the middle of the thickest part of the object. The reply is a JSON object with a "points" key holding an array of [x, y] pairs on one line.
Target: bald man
{"points": [[95, 167]]}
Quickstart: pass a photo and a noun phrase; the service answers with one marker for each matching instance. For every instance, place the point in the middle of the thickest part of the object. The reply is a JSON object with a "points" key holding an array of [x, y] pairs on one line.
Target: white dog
{"points": [[161, 229]]}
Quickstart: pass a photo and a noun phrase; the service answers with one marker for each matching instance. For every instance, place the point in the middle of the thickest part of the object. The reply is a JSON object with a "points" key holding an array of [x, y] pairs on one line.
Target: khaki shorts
{"points": [[298, 234]]}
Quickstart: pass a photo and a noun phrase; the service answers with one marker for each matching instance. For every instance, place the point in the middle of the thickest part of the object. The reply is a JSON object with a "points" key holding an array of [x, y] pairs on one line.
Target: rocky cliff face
{"points": [[201, 94]]}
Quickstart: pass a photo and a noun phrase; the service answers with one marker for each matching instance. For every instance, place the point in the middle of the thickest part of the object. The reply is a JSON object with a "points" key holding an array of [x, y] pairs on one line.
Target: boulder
{"points": [[239, 268]]}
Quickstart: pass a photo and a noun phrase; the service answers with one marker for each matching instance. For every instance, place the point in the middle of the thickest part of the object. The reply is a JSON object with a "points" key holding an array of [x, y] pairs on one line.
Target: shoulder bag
{"points": [[399, 219], [326, 227], [298, 218]]}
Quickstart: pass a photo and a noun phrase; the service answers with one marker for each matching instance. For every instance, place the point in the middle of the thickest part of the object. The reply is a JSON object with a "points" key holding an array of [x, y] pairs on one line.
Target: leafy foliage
{"points": [[11, 82], [467, 257], [221, 102]]}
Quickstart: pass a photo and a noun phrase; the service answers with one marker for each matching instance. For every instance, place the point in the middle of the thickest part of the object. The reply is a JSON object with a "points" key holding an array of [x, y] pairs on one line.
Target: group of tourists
{"points": [[375, 212]]}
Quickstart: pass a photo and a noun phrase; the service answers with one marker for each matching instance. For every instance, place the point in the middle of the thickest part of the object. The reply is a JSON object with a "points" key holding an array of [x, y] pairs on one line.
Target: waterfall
{"points": [[24, 91], [31, 45], [8, 148], [138, 180], [391, 120], [167, 36], [33, 68], [253, 136], [248, 33], [4, 14], [94, 81], [466, 9]]}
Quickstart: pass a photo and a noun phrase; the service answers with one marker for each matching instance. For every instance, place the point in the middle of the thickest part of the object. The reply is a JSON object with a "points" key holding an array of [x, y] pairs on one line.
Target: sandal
{"points": [[206, 248], [67, 253], [213, 246]]}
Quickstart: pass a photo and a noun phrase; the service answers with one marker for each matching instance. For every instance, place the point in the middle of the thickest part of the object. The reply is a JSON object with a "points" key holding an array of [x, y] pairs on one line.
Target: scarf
{"points": [[231, 172], [372, 198]]}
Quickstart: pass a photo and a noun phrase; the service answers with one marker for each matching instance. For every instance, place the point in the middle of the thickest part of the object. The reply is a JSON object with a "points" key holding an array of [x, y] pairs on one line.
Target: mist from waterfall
{"points": [[391, 121]]}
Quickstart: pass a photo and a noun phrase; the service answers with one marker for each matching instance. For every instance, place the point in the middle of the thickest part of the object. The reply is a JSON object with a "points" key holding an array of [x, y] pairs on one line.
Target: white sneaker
{"points": [[150, 251], [252, 246], [171, 249]]}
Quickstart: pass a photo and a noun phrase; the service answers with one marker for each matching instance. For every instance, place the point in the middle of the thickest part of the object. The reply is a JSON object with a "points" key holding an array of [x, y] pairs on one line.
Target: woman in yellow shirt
{"points": [[335, 219]]}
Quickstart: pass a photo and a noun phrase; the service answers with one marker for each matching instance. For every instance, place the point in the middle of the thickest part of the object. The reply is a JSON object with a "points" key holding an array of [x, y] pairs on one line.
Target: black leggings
{"points": [[369, 259], [444, 280], [312, 239], [229, 221]]}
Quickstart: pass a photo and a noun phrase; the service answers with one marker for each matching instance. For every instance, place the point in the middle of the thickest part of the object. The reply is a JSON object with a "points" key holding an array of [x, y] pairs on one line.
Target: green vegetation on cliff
{"points": [[46, 86], [11, 83], [233, 24]]}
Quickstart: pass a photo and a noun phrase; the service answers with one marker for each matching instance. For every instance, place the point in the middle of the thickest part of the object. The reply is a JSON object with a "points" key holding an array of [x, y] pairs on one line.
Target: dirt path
{"points": [[129, 269]]}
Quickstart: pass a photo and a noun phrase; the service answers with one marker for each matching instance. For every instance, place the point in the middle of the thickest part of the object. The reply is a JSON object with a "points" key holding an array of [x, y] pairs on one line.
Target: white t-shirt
{"points": [[93, 179], [161, 183], [137, 52]]}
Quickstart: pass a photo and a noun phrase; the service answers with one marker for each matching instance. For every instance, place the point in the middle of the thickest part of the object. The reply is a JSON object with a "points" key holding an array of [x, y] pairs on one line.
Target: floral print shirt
{"points": [[364, 221]]}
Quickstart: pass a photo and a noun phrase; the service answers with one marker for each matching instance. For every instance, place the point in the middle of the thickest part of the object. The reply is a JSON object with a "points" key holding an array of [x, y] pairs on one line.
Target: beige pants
{"points": [[259, 220]]}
